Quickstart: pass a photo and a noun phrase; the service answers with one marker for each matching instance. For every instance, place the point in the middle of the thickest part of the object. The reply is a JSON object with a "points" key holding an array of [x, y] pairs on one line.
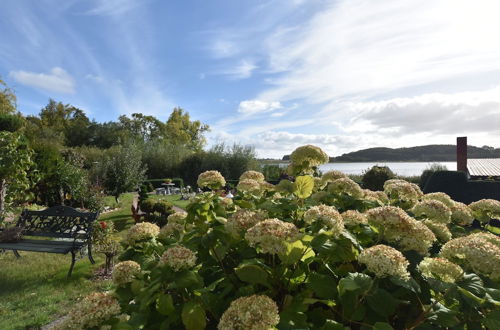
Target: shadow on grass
{"points": [[31, 272]]}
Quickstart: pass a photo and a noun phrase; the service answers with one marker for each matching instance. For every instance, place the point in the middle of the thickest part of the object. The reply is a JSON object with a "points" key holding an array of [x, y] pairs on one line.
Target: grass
{"points": [[174, 199], [34, 290]]}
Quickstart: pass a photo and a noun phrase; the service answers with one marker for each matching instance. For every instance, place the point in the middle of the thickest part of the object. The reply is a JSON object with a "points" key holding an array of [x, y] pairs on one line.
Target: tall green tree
{"points": [[7, 99], [122, 170], [142, 127], [181, 130]]}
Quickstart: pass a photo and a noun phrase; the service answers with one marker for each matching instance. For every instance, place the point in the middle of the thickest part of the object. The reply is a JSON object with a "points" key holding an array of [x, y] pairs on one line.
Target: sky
{"points": [[342, 74]]}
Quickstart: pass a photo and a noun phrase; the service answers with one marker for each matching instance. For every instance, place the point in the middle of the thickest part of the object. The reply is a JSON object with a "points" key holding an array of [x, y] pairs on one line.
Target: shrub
{"points": [[427, 173], [375, 177], [147, 205], [163, 207], [283, 260]]}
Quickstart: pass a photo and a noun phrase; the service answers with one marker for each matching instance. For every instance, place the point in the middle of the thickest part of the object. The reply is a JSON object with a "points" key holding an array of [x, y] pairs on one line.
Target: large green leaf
{"points": [[355, 282], [303, 186], [295, 252], [492, 320], [165, 304], [253, 274], [382, 302], [193, 316], [323, 286]]}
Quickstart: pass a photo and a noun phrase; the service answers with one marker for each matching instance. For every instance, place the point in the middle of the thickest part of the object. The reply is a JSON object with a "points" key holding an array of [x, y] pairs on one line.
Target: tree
{"points": [[7, 99], [123, 170], [141, 127], [15, 162], [181, 130]]}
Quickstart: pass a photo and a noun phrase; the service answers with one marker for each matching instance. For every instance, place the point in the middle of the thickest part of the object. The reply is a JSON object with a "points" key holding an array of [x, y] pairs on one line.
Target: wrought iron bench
{"points": [[59, 229]]}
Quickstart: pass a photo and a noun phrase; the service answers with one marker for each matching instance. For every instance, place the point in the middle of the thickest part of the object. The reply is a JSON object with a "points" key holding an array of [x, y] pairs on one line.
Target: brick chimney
{"points": [[462, 154]]}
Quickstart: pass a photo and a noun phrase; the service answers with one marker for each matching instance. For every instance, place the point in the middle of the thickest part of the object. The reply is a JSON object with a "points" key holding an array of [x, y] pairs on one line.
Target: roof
{"points": [[484, 167]]}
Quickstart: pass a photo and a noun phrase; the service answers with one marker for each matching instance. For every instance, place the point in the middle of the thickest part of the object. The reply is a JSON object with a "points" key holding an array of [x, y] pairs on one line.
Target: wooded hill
{"points": [[428, 153]]}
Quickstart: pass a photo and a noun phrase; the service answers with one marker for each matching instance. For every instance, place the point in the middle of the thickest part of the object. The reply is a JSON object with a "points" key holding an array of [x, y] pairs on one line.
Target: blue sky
{"points": [[343, 75]]}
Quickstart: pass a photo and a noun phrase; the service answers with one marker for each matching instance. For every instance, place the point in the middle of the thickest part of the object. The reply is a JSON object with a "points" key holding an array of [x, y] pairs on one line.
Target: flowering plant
{"points": [[312, 254]]}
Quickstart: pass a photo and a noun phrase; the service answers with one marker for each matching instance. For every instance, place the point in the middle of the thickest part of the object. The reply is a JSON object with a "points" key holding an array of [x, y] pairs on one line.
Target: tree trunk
{"points": [[3, 194], [61, 195]]}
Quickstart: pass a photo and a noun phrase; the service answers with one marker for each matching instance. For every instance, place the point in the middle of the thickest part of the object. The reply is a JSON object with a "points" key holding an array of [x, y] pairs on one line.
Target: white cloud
{"points": [[58, 80], [112, 7], [251, 107], [242, 70], [362, 48], [223, 48]]}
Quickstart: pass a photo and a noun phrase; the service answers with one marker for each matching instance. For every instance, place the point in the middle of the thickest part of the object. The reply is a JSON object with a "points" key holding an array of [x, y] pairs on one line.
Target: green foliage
{"points": [[15, 164], [375, 177], [427, 173], [10, 122], [231, 162], [182, 131], [122, 170], [7, 99], [315, 279]]}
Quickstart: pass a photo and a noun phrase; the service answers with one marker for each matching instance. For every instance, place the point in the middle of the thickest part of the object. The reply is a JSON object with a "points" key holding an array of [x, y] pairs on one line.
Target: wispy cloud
{"points": [[242, 70], [112, 7], [365, 48], [250, 107], [58, 80]]}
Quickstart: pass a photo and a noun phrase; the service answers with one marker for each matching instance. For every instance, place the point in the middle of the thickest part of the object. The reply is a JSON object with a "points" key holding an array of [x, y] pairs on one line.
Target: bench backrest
{"points": [[57, 221]]}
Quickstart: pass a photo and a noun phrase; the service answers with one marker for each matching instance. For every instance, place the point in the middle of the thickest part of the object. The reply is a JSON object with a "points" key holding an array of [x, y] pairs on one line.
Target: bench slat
{"points": [[35, 248]]}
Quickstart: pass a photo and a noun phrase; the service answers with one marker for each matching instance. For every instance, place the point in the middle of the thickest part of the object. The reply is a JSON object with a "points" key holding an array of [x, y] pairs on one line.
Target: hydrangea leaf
{"points": [[303, 186], [253, 274], [193, 316]]}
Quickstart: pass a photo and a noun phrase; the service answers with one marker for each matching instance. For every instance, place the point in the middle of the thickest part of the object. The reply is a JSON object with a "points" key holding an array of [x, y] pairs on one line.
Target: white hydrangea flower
{"points": [[171, 229], [402, 192], [353, 218], [252, 175], [142, 231], [485, 209], [271, 234], [244, 219], [331, 176], [256, 312], [248, 185], [327, 215], [346, 186], [379, 196], [90, 312], [441, 269], [383, 261], [440, 196], [211, 179], [310, 155], [397, 227], [177, 217], [124, 272], [479, 252], [433, 210], [178, 258], [461, 214], [439, 229]]}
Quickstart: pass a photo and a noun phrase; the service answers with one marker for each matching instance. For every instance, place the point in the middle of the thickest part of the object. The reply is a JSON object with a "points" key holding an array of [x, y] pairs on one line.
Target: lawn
{"points": [[34, 290], [174, 199]]}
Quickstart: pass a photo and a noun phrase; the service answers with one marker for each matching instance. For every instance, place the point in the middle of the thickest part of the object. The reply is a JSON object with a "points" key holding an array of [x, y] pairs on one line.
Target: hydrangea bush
{"points": [[318, 252]]}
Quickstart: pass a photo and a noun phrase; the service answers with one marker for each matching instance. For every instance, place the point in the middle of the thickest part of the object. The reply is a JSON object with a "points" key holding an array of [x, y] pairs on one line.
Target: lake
{"points": [[400, 168]]}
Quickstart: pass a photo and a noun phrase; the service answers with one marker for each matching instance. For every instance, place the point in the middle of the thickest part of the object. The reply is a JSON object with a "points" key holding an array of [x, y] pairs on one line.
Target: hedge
{"points": [[460, 188]]}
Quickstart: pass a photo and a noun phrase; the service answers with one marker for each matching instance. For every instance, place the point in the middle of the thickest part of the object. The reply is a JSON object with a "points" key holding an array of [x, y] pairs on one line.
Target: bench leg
{"points": [[92, 261], [16, 254], [73, 259]]}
